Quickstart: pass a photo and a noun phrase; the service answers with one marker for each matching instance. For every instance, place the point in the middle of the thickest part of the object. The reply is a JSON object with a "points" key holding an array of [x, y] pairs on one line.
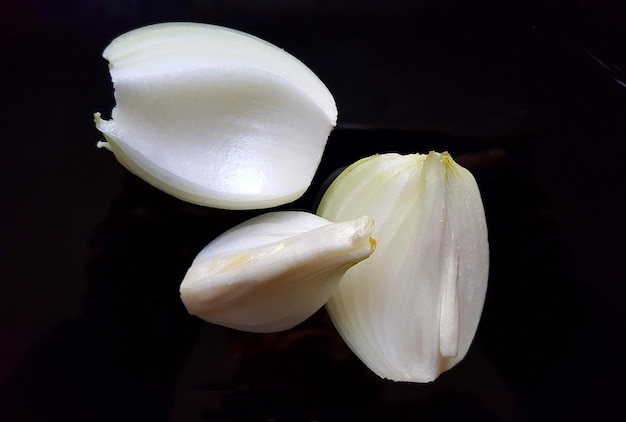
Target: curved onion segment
{"points": [[411, 310], [215, 116], [273, 271]]}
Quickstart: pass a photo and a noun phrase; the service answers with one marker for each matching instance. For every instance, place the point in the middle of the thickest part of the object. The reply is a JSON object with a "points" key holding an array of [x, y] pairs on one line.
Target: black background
{"points": [[530, 95]]}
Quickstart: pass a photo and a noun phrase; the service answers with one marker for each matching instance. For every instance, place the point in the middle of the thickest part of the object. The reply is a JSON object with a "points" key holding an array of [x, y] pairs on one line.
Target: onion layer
{"points": [[275, 270], [215, 116], [411, 310]]}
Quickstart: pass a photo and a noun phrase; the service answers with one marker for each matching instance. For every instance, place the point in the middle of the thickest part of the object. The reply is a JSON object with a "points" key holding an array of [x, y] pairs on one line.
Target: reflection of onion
{"points": [[325, 340]]}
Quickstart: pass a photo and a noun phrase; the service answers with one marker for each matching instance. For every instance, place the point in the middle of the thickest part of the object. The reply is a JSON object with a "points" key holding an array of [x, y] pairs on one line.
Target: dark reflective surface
{"points": [[527, 95]]}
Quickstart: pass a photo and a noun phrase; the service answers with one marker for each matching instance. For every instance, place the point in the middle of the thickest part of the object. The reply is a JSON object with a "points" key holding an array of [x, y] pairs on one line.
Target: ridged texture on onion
{"points": [[411, 310]]}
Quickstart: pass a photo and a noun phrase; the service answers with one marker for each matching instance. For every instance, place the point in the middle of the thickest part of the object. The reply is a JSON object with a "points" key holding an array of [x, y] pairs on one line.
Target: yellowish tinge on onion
{"points": [[215, 116], [411, 310], [273, 271]]}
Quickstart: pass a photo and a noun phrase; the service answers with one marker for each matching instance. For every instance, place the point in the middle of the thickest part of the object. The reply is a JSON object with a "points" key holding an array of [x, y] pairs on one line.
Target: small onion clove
{"points": [[273, 271]]}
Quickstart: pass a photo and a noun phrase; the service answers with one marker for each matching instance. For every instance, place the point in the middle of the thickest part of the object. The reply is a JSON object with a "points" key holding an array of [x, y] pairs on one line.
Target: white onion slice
{"points": [[215, 116], [411, 310], [273, 271]]}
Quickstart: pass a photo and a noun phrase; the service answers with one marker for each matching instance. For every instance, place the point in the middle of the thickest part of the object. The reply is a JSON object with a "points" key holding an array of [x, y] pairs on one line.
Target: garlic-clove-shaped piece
{"points": [[215, 116], [411, 310], [273, 271]]}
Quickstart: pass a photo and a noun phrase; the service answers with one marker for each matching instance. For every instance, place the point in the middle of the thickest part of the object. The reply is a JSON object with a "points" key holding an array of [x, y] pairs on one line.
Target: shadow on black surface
{"points": [[540, 351]]}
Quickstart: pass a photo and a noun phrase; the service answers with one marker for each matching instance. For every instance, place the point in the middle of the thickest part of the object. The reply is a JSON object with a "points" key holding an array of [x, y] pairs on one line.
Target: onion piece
{"points": [[215, 116], [411, 310], [273, 271]]}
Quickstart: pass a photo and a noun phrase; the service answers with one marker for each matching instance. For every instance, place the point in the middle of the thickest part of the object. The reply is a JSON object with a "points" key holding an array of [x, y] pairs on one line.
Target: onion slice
{"points": [[273, 271], [215, 116], [411, 310]]}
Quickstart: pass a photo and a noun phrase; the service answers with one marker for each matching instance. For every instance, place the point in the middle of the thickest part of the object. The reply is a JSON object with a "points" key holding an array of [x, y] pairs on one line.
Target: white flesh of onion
{"points": [[215, 116], [411, 310], [273, 271]]}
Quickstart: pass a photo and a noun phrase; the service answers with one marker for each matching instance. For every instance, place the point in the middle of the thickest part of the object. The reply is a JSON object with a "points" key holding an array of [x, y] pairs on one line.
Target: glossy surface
{"points": [[214, 116]]}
